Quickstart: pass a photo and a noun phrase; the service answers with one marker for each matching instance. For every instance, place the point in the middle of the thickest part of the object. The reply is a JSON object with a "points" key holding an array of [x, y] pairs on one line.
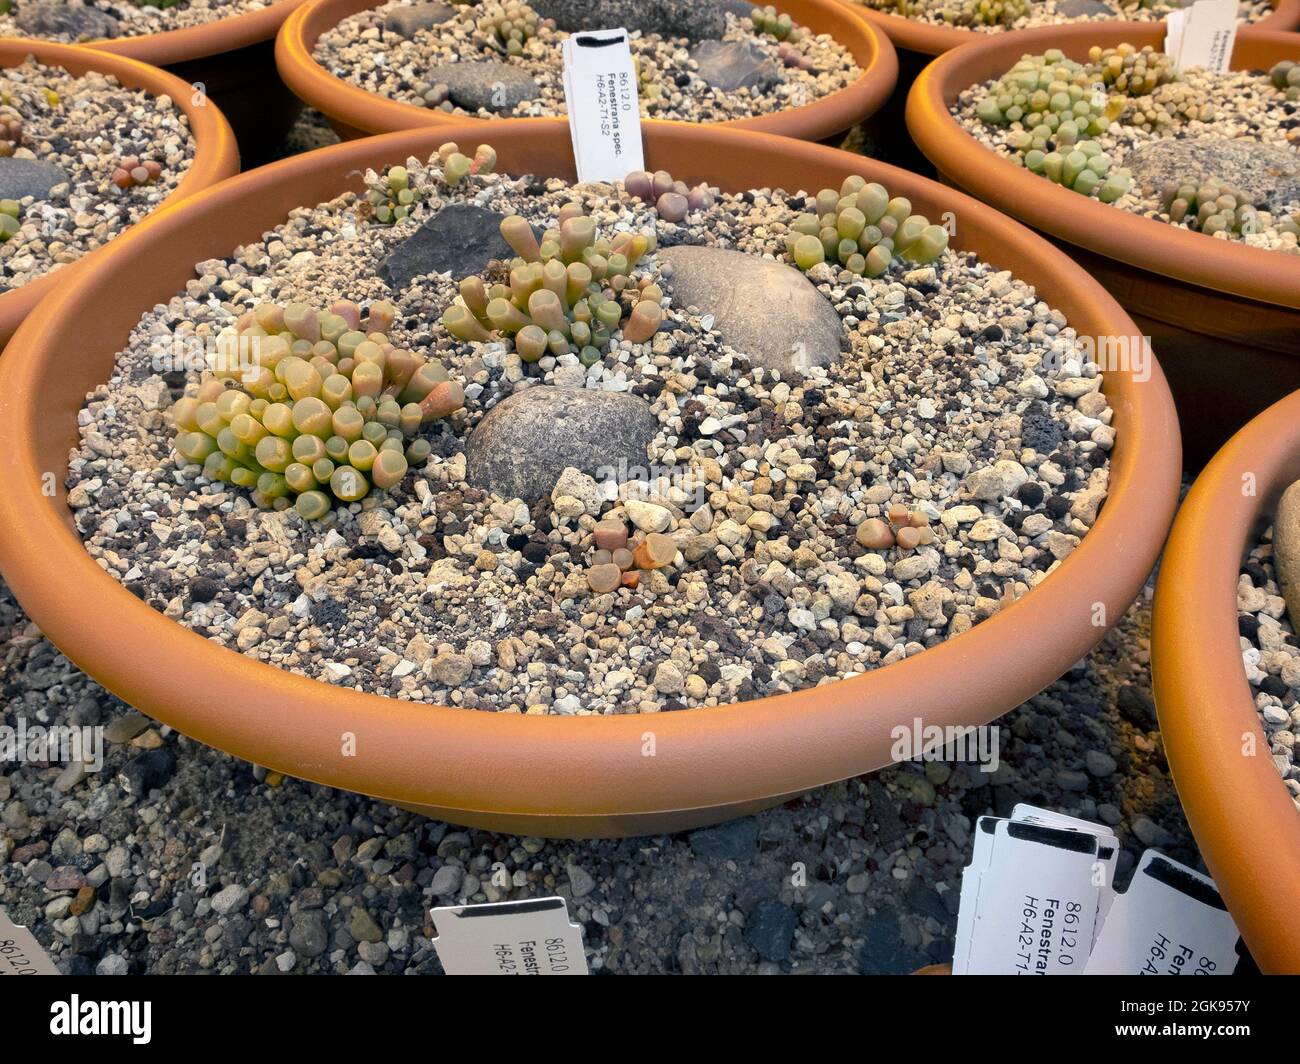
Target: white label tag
{"points": [[604, 113], [20, 953], [1202, 35], [531, 937], [1170, 921]]}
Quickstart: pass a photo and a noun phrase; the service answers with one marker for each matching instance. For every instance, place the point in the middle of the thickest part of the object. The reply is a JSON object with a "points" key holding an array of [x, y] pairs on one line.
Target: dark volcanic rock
{"points": [[460, 238], [669, 18]]}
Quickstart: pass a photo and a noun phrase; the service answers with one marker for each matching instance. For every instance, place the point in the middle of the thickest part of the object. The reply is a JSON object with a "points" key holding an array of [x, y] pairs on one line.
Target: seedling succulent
{"points": [[1210, 207], [568, 293], [11, 129], [457, 166], [779, 25], [509, 25], [131, 172], [1286, 78], [1080, 166], [987, 12], [394, 197], [325, 409], [9, 210], [863, 229], [672, 200], [900, 527], [1042, 92]]}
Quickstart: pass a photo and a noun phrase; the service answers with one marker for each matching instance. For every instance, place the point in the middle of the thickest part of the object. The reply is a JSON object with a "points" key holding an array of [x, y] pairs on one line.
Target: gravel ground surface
{"points": [[1270, 651], [62, 172], [953, 400], [1024, 14], [457, 68], [85, 20], [177, 858], [1244, 133]]}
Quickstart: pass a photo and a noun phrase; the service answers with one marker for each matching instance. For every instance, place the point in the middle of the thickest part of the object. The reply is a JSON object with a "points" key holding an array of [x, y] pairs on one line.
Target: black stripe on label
{"points": [[1168, 873], [1057, 838], [504, 908], [597, 42]]}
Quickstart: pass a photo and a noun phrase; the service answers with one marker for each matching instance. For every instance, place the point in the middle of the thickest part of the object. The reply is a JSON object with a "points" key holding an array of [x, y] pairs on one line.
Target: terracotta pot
{"points": [[234, 60], [922, 38], [1245, 824], [215, 158], [559, 776], [1194, 298], [354, 112]]}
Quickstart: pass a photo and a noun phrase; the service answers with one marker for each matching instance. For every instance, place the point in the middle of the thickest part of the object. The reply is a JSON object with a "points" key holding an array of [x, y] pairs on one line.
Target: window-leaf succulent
{"points": [[9, 224], [508, 25], [776, 24], [311, 408], [568, 293], [864, 229], [1210, 207]]}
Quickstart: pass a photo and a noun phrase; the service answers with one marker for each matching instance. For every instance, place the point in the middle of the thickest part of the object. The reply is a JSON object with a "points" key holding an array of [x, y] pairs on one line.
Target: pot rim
{"points": [[1243, 819], [216, 155], [199, 42], [1145, 243], [559, 770], [360, 109], [927, 39]]}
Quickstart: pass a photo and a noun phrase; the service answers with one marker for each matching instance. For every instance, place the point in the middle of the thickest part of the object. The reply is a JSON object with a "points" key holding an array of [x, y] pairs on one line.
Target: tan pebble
{"points": [[486, 561], [898, 514], [149, 740]]}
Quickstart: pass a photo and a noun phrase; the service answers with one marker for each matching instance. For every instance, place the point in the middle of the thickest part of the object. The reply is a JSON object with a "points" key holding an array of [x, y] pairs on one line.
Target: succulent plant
{"points": [[986, 12], [11, 131], [158, 3], [567, 294], [392, 199], [508, 25], [9, 210], [1126, 69], [1286, 77], [457, 166], [779, 25], [672, 200], [325, 409], [900, 527], [131, 172], [1042, 92], [1077, 165], [1210, 207], [863, 229], [619, 560], [906, 8]]}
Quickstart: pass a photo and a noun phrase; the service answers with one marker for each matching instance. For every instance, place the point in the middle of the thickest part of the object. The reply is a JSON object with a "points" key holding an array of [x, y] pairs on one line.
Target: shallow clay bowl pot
{"points": [[354, 112], [233, 59], [913, 37], [1224, 318], [215, 155], [1245, 824], [545, 775]]}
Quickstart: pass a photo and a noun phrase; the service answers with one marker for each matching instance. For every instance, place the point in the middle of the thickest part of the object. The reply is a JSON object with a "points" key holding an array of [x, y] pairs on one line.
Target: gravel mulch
{"points": [[458, 69], [85, 20], [1003, 16], [955, 398], [76, 133]]}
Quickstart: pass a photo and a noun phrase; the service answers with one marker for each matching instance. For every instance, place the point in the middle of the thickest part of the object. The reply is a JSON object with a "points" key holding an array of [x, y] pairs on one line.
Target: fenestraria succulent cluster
{"points": [[569, 293], [1286, 77], [779, 25], [131, 172], [311, 408], [508, 25], [619, 560], [9, 210], [392, 200], [864, 229], [456, 166], [1080, 166], [986, 12], [902, 528], [673, 200], [1210, 207], [11, 126]]}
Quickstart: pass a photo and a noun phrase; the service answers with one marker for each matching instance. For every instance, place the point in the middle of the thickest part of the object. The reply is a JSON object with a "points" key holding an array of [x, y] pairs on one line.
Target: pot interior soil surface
{"points": [[96, 20], [709, 476], [710, 62], [1268, 601], [1214, 153], [999, 16], [81, 158]]}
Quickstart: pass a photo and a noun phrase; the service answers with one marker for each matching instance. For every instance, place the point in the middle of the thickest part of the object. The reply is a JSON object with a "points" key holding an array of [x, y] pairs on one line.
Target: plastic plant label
{"points": [[20, 953], [530, 937], [1170, 921], [1202, 35], [1028, 900], [600, 91]]}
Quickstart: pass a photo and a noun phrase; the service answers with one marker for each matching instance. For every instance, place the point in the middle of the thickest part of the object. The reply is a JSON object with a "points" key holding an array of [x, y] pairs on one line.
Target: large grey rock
{"points": [[1083, 8], [460, 238], [696, 20], [1286, 549], [769, 928], [75, 21], [409, 20], [1267, 173], [528, 439], [731, 65], [766, 310], [28, 177], [487, 85]]}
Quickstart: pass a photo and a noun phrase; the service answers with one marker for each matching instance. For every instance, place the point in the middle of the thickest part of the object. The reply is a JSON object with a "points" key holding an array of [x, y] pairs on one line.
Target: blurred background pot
{"points": [[355, 112], [547, 775], [1245, 823], [1224, 318], [216, 156]]}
